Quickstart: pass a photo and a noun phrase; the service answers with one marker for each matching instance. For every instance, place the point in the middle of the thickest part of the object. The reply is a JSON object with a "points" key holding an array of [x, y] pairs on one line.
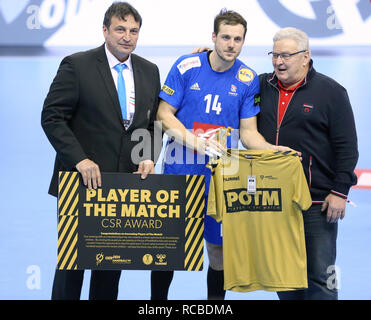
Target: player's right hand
{"points": [[210, 147]]}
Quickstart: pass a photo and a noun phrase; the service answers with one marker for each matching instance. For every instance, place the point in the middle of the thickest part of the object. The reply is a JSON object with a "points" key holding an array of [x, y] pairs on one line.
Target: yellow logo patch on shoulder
{"points": [[168, 90], [245, 75]]}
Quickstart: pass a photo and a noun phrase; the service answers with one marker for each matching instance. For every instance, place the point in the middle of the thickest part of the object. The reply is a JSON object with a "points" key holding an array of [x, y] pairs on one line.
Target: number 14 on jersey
{"points": [[213, 103]]}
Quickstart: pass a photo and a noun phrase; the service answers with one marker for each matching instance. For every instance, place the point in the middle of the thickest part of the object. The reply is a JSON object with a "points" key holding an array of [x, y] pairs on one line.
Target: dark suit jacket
{"points": [[82, 116]]}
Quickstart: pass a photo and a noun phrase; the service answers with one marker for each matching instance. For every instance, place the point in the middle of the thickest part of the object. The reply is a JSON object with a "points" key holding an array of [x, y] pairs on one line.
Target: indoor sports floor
{"points": [[28, 226]]}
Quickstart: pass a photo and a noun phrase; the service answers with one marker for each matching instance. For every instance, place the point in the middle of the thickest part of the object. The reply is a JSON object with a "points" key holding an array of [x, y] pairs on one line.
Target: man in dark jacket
{"points": [[97, 101], [311, 113]]}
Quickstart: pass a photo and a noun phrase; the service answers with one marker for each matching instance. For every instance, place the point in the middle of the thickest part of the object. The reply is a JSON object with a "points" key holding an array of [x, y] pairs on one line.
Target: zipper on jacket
{"points": [[283, 116], [278, 107], [277, 134], [310, 171]]}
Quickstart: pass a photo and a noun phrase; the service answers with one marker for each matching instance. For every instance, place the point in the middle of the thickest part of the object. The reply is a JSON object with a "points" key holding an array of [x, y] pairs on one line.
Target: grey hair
{"points": [[299, 36]]}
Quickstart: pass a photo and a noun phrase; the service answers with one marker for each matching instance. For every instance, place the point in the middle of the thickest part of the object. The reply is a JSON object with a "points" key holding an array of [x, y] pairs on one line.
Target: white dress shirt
{"points": [[129, 82]]}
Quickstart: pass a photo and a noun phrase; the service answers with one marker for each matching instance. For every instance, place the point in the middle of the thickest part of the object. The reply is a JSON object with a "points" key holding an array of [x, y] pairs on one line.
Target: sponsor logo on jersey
{"points": [[257, 99], [245, 75], [195, 86], [265, 199], [168, 90], [188, 63], [233, 91], [205, 130]]}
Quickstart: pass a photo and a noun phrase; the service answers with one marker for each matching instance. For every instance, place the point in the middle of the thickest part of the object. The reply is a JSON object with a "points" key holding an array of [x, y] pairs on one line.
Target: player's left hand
{"points": [[335, 208], [145, 168]]}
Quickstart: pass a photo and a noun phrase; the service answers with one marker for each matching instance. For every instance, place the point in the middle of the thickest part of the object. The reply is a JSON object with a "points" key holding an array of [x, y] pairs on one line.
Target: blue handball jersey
{"points": [[204, 97]]}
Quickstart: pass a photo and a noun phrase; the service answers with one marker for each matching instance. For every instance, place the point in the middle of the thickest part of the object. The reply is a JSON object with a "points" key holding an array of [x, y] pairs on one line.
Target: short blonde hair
{"points": [[299, 36]]}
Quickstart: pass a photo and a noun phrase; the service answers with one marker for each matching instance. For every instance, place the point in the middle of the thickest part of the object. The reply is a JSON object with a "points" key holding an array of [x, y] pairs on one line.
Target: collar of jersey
{"points": [[257, 154], [206, 60]]}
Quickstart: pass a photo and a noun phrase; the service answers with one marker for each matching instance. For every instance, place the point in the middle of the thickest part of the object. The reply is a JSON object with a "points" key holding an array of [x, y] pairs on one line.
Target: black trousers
{"points": [[68, 283]]}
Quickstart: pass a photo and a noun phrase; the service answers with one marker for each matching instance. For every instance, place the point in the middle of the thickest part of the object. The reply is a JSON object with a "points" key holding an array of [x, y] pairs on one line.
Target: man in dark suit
{"points": [[95, 103]]}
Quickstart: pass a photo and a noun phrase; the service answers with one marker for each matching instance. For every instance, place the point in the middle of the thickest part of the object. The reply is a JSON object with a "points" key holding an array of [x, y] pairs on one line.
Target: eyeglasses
{"points": [[284, 55]]}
